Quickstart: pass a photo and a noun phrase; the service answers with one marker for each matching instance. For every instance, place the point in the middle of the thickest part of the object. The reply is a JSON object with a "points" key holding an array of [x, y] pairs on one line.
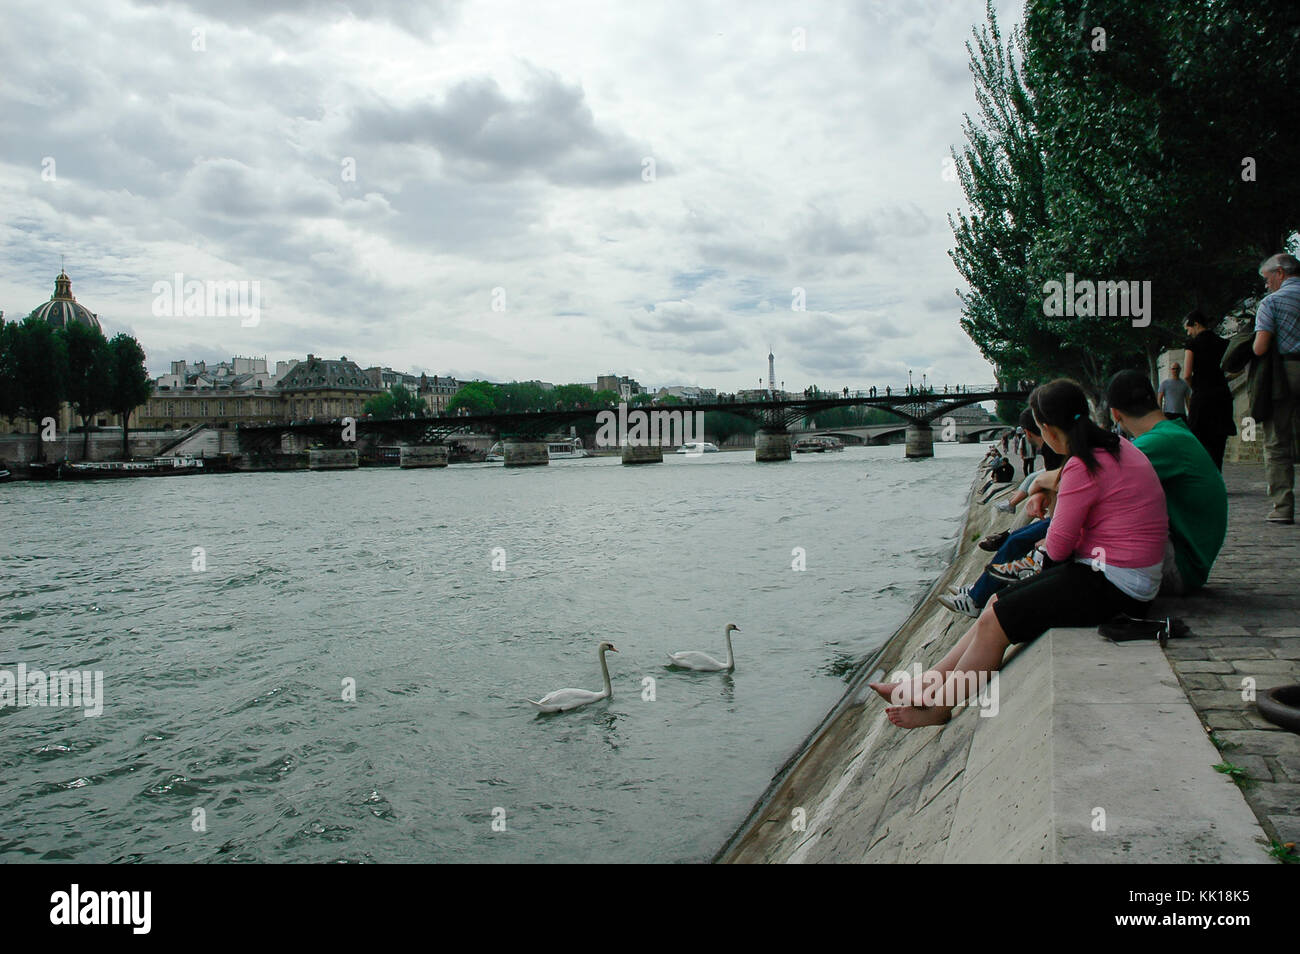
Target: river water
{"points": [[225, 733]]}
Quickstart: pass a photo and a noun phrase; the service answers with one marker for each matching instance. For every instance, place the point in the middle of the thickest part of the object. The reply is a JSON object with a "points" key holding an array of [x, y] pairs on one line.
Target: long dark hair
{"points": [[1063, 404]]}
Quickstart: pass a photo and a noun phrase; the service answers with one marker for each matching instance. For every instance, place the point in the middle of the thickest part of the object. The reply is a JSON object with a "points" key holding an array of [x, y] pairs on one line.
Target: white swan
{"points": [[562, 700], [703, 662]]}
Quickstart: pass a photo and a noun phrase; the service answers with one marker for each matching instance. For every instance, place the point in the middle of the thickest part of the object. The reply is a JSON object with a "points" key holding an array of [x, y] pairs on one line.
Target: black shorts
{"points": [[1067, 594]]}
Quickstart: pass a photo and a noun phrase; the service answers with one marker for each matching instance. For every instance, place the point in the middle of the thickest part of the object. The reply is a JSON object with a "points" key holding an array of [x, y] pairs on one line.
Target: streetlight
{"points": [[909, 380]]}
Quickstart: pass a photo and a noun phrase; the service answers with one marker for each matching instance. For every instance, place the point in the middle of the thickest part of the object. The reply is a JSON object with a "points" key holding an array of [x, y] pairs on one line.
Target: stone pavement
{"points": [[1246, 625]]}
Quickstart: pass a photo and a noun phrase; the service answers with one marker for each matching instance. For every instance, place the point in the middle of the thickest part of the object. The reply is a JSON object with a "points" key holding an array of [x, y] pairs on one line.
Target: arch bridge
{"points": [[917, 409]]}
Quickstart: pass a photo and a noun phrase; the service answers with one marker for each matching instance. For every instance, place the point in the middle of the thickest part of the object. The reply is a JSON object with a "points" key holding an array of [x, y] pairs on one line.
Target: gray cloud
{"points": [[498, 147], [484, 135]]}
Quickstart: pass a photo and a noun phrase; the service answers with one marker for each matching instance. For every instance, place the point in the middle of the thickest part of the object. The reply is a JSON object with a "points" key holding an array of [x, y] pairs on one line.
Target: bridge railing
{"points": [[927, 391]]}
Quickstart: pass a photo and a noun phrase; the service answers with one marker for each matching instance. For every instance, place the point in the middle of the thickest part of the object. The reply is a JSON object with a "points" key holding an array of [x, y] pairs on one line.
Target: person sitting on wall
{"points": [[1195, 495], [1106, 544], [1015, 551]]}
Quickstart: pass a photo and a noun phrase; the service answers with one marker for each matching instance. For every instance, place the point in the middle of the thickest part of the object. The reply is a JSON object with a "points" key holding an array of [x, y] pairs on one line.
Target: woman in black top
{"points": [[1210, 412]]}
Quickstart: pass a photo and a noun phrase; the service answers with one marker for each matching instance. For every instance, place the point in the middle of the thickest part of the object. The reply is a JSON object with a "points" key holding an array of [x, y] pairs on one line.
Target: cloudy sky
{"points": [[388, 171]]}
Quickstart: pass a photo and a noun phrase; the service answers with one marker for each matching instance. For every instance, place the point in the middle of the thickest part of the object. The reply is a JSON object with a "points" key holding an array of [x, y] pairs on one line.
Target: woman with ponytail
{"points": [[1105, 549]]}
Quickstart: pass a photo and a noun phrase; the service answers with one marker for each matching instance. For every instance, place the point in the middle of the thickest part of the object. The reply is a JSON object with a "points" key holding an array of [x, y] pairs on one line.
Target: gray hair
{"points": [[1282, 260]]}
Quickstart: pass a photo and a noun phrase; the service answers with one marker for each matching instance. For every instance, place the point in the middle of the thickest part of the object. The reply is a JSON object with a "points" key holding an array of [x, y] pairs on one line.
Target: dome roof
{"points": [[63, 310]]}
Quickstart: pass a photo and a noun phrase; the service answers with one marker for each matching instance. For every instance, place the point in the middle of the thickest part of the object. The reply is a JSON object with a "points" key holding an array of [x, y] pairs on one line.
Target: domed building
{"points": [[63, 310]]}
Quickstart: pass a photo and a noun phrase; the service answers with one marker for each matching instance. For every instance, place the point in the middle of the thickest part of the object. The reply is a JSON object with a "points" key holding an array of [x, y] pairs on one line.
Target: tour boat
{"points": [[571, 449], [566, 450], [698, 447], [818, 445], [156, 467]]}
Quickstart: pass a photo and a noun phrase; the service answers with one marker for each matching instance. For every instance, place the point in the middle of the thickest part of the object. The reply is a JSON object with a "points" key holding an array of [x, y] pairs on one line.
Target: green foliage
{"points": [[606, 397], [1008, 412], [1121, 164], [477, 397], [522, 396], [851, 417], [131, 384], [396, 402], [721, 426], [90, 374], [41, 366], [10, 394], [572, 396], [1234, 772], [1285, 853]]}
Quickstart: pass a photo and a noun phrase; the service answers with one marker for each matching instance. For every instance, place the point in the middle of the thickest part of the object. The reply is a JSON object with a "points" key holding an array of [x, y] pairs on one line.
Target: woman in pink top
{"points": [[1105, 549]]}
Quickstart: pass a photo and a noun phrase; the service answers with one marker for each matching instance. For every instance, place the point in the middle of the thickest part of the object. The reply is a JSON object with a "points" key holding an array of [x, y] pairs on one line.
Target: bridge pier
{"points": [[771, 444], [635, 454], [920, 441], [525, 453], [332, 459], [423, 455]]}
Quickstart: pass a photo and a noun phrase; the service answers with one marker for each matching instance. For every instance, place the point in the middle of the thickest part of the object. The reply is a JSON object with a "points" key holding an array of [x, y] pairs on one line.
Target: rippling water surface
{"points": [[223, 689]]}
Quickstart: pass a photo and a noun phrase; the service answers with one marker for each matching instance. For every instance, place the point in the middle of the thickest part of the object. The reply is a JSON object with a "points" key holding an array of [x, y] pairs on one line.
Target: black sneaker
{"points": [[994, 540]]}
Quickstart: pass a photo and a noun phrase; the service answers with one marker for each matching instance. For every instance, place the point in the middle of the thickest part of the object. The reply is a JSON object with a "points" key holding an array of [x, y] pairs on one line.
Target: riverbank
{"points": [[1094, 751]]}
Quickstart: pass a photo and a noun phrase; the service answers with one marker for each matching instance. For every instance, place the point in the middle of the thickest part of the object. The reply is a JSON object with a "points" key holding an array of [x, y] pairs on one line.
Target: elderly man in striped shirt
{"points": [[1277, 324]]}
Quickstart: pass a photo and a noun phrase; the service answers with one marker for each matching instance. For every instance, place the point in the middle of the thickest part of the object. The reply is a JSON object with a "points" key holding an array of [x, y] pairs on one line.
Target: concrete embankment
{"points": [[1085, 750]]}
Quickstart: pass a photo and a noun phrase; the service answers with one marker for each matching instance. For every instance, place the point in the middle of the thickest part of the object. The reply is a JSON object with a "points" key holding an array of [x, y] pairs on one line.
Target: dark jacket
{"points": [[1266, 379]]}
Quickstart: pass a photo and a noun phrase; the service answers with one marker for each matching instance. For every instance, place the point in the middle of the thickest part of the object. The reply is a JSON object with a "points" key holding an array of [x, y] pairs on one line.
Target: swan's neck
{"points": [[604, 671], [731, 663]]}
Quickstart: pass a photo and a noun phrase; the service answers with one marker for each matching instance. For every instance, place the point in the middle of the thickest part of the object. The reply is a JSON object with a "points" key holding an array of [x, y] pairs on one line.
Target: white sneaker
{"points": [[960, 590], [1006, 506], [961, 603]]}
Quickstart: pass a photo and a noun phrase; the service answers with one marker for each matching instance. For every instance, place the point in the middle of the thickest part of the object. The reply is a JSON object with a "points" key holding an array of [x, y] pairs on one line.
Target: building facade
{"points": [[325, 389], [437, 392], [239, 391], [622, 385]]}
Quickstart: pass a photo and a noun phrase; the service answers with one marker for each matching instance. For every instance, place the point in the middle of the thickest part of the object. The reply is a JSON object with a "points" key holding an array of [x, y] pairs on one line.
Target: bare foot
{"points": [[913, 717], [886, 690]]}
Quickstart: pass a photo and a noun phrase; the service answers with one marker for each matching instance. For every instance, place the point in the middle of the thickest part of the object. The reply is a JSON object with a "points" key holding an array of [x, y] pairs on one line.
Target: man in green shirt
{"points": [[1195, 494]]}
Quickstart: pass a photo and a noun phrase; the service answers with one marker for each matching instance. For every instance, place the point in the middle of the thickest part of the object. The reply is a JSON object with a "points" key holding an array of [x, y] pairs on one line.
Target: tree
{"points": [[722, 426], [478, 397], [398, 402], [41, 363], [90, 375], [10, 400], [1116, 142], [573, 396], [1001, 172], [520, 396], [131, 385]]}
